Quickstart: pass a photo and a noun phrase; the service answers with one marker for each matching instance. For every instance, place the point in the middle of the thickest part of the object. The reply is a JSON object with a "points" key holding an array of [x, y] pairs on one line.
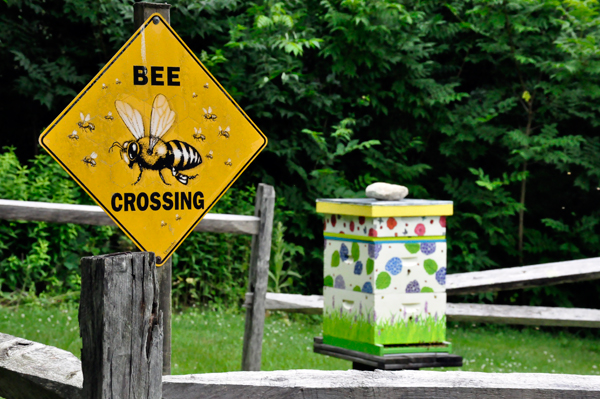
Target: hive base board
{"points": [[381, 350], [397, 361]]}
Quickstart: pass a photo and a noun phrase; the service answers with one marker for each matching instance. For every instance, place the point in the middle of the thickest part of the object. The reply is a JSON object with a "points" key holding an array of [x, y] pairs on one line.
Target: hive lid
{"points": [[370, 207]]}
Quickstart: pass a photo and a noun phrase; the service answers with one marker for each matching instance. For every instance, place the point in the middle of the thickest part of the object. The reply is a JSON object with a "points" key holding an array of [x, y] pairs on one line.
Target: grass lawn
{"points": [[205, 341]]}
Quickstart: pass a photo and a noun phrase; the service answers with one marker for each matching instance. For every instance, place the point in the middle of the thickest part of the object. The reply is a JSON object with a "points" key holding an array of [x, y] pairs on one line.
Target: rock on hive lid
{"points": [[370, 207]]}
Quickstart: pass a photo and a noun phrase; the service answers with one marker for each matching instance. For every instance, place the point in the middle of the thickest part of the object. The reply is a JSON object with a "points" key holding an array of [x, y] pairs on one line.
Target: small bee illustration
{"points": [[91, 159], [177, 217], [104, 87], [85, 123], [224, 133], [198, 134], [109, 116], [117, 81], [162, 223], [209, 155], [74, 135], [194, 95], [206, 85], [151, 152], [208, 115], [228, 163]]}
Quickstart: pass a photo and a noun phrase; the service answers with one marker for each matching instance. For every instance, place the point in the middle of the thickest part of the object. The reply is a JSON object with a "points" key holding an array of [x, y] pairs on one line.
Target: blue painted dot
{"points": [[339, 282], [374, 250], [413, 287], [358, 268], [394, 266], [367, 288], [428, 248], [440, 276], [344, 253]]}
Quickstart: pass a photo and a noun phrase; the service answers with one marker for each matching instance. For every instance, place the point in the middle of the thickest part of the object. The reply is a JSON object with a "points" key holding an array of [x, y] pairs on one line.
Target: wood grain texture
{"points": [[293, 303], [94, 215], [399, 361], [258, 278], [121, 327], [523, 315], [143, 10], [164, 274], [513, 278], [30, 370], [407, 384]]}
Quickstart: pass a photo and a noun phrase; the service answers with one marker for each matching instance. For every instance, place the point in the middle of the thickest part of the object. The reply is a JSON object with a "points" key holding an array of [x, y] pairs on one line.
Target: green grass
{"points": [[360, 327], [208, 341]]}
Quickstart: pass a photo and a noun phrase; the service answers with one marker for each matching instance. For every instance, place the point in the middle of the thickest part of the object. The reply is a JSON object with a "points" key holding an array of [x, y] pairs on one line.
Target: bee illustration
{"points": [[85, 123], [162, 223], [198, 134], [208, 115], [74, 135], [117, 81], [91, 159], [206, 85], [150, 152], [177, 217], [224, 133], [109, 116], [104, 87], [228, 163], [194, 95], [209, 155]]}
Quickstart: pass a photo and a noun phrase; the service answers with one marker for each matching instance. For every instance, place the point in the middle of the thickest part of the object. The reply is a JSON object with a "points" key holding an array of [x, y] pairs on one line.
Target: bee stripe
{"points": [[177, 154]]}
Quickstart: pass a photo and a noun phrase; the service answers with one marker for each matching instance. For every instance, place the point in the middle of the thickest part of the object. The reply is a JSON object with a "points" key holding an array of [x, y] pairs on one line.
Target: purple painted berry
{"points": [[411, 288], [344, 253], [367, 289], [428, 248], [440, 276], [339, 282], [394, 266], [358, 268], [374, 250]]}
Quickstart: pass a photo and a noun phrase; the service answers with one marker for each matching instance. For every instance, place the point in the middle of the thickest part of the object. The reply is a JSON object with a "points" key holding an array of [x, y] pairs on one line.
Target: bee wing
{"points": [[227, 129], [161, 120], [82, 117], [93, 155], [205, 111], [132, 118], [87, 118], [209, 110]]}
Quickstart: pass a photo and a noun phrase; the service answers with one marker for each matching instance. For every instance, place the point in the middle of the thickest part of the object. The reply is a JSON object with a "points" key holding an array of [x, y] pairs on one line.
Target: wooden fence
{"points": [[260, 226]]}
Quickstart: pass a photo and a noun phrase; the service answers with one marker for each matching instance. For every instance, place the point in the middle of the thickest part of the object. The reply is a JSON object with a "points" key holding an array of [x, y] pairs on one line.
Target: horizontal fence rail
{"points": [[513, 278], [523, 315], [466, 312], [30, 370], [94, 215]]}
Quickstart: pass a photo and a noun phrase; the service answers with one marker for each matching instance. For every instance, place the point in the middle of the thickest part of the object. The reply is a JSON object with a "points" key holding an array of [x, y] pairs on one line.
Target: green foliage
{"points": [[283, 253], [39, 257], [491, 104]]}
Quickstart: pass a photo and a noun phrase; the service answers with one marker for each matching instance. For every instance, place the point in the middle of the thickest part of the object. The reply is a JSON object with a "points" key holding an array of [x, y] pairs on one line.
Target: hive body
{"points": [[384, 272]]}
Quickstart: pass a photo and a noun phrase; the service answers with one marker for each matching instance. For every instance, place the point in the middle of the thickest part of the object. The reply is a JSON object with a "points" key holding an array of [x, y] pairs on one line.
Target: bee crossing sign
{"points": [[154, 139]]}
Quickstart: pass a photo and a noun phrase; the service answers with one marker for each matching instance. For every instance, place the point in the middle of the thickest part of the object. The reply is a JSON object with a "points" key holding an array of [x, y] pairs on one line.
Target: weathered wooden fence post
{"points": [[258, 278], [141, 12], [121, 327]]}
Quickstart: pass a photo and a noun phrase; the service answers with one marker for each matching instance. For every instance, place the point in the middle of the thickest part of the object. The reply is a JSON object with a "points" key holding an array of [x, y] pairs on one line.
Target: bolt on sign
{"points": [[154, 139]]}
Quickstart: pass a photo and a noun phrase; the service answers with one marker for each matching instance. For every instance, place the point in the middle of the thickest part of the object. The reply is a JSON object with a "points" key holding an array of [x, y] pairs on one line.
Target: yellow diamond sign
{"points": [[154, 139]]}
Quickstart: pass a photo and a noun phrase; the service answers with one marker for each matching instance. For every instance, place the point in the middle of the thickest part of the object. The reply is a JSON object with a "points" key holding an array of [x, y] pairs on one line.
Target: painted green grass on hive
{"points": [[359, 328]]}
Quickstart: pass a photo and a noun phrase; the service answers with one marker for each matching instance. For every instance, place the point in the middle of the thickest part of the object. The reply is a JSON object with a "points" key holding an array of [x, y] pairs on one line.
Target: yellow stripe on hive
{"points": [[384, 211]]}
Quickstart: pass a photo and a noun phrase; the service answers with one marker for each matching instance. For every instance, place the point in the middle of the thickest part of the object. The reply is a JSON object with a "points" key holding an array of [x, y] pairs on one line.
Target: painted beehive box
{"points": [[384, 270]]}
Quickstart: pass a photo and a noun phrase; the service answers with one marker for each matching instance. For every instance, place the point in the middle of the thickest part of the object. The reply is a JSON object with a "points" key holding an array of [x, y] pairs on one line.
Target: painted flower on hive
{"points": [[428, 248], [413, 287], [440, 276], [420, 229]]}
